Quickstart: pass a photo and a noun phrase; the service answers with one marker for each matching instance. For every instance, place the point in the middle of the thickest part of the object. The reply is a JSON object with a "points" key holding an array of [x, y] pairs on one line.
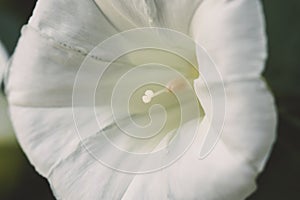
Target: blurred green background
{"points": [[280, 180]]}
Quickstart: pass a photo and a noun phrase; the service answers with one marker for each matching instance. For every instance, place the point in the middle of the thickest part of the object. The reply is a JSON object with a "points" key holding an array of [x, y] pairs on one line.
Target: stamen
{"points": [[149, 94], [174, 85]]}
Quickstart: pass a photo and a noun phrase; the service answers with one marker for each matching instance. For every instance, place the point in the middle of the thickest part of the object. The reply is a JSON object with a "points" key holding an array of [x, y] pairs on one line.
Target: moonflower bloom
{"points": [[62, 34]]}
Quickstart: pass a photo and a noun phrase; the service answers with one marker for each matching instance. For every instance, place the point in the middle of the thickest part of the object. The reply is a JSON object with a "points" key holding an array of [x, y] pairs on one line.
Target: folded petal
{"points": [[126, 14], [233, 33], [78, 25]]}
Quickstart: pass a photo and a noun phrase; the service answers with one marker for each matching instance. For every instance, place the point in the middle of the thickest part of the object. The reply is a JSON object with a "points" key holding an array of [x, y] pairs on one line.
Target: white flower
{"points": [[56, 41]]}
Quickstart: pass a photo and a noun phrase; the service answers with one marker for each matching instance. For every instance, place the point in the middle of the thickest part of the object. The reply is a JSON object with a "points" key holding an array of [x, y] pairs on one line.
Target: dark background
{"points": [[281, 178]]}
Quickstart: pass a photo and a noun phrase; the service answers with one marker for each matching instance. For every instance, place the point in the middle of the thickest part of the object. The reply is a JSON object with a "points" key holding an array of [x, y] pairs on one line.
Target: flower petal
{"points": [[76, 24], [5, 125], [126, 14], [247, 138], [233, 33], [250, 122], [3, 60]]}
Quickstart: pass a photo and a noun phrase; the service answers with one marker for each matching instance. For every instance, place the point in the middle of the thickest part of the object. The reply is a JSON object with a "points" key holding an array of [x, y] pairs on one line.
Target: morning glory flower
{"points": [[52, 74]]}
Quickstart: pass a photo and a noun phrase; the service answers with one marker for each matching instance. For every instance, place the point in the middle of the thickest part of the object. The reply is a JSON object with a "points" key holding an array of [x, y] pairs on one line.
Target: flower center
{"points": [[156, 96]]}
